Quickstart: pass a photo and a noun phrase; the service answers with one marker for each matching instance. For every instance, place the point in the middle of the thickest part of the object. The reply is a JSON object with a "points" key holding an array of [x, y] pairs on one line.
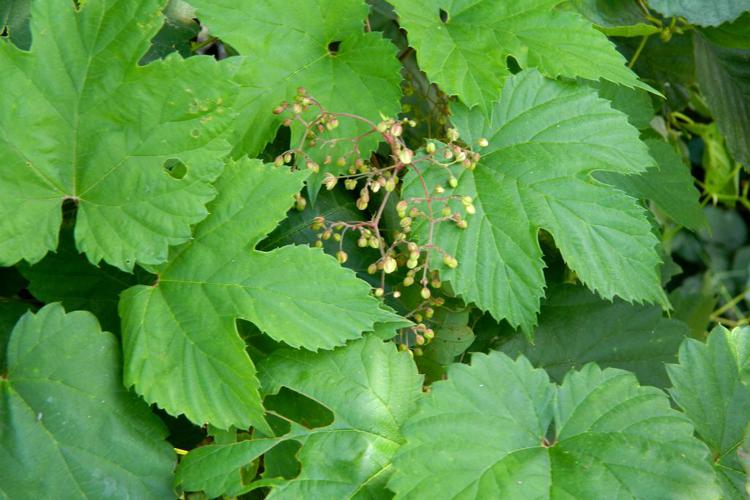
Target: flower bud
{"points": [[372, 269], [405, 156], [379, 292], [425, 293], [317, 223], [389, 265], [350, 184], [453, 182], [430, 148], [450, 261], [330, 181], [452, 134], [483, 143], [341, 256], [300, 202], [401, 208]]}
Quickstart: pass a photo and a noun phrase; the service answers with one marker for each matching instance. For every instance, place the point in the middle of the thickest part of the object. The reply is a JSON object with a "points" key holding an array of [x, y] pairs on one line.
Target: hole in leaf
{"points": [[443, 16], [300, 408], [333, 47], [281, 460], [512, 64], [175, 168]]}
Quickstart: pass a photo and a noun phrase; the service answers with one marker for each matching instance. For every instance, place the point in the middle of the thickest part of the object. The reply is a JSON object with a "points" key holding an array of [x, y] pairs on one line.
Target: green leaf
{"points": [[463, 46], [75, 91], [67, 277], [486, 432], [371, 390], [576, 328], [289, 48], [176, 34], [14, 17], [712, 386], [702, 12], [724, 79], [633, 102], [369, 387], [669, 184], [452, 337], [616, 17], [180, 337], [213, 468], [545, 139], [669, 67], [68, 429], [744, 454]]}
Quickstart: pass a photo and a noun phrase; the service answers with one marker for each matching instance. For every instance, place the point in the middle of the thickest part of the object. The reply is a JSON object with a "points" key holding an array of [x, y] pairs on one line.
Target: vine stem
{"points": [[638, 51]]}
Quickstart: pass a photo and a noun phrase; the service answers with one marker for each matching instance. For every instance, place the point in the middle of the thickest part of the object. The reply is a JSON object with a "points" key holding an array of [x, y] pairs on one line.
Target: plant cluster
{"points": [[349, 248]]}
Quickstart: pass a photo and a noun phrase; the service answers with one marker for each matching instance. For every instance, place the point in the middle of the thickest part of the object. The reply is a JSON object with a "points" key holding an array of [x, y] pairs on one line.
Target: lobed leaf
{"points": [[180, 337], [545, 140], [485, 433], [712, 386], [74, 90], [464, 45], [68, 429], [319, 45]]}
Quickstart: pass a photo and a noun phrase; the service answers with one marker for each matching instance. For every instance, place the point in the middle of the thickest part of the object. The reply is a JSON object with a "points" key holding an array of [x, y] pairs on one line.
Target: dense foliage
{"points": [[337, 248]]}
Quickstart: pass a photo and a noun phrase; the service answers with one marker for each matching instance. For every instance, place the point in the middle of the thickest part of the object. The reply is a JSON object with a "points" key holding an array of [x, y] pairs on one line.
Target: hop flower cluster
{"points": [[405, 257]]}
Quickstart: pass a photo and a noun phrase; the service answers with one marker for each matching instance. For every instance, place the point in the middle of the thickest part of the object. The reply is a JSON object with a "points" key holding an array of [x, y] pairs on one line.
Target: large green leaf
{"points": [[67, 277], [370, 388], [545, 139], [576, 328], [499, 429], [463, 45], [288, 48], [712, 386], [80, 121], [723, 71], [68, 429], [182, 349], [702, 12]]}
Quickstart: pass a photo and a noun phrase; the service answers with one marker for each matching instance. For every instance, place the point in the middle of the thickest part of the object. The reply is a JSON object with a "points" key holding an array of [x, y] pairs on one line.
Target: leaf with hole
{"points": [[74, 89]]}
